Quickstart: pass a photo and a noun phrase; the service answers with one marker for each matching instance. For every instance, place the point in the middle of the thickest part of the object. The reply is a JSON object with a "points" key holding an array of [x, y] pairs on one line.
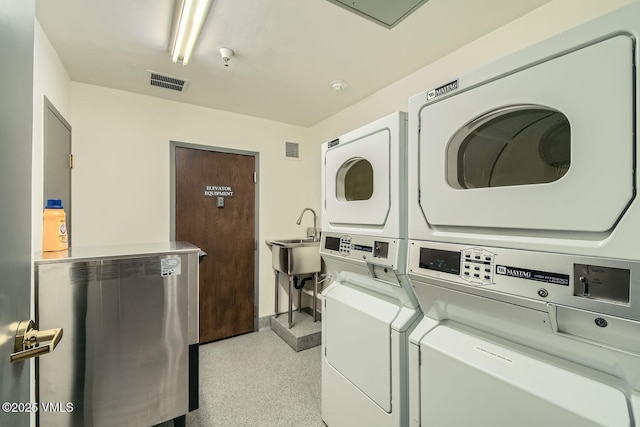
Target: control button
{"points": [[487, 270], [601, 322], [476, 275], [467, 255], [466, 266], [476, 268], [466, 273], [487, 258], [478, 257], [543, 292], [487, 277]]}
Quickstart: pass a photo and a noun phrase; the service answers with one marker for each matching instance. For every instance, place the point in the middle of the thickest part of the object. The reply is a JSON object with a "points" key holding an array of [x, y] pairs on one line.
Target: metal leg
{"points": [[300, 300], [290, 301], [277, 283], [315, 296]]}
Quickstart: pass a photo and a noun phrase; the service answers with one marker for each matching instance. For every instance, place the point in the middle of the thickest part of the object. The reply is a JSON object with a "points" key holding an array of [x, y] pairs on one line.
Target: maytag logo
{"points": [[513, 272], [442, 90], [539, 276], [518, 273]]}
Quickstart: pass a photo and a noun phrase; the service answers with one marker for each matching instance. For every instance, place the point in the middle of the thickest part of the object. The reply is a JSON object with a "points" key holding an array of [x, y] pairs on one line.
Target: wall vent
{"points": [[167, 82], [292, 150]]}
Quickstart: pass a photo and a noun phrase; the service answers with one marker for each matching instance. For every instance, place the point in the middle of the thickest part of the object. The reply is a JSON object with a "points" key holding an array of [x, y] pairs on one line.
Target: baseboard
{"points": [[264, 323]]}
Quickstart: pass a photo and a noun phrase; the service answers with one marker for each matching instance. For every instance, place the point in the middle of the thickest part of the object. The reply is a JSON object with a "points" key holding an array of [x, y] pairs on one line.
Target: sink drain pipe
{"points": [[302, 282]]}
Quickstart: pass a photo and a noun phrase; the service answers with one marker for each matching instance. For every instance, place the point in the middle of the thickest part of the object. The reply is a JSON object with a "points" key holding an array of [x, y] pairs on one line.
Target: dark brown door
{"points": [[215, 210]]}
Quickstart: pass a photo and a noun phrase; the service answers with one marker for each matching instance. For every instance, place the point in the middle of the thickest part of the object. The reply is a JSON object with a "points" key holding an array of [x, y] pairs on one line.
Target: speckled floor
{"points": [[304, 334], [258, 380]]}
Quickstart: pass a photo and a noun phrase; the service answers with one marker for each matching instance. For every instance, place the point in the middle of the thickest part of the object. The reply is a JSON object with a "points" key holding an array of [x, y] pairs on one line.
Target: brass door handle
{"points": [[28, 341]]}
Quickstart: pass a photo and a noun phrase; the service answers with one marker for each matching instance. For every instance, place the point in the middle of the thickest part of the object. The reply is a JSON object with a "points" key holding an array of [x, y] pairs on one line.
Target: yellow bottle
{"points": [[54, 227]]}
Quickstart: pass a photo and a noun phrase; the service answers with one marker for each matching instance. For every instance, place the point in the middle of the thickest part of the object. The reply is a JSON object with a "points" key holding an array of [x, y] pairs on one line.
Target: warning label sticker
{"points": [[170, 267]]}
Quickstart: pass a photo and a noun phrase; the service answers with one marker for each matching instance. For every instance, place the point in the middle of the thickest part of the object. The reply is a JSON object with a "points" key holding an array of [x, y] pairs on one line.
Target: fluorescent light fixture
{"points": [[188, 18]]}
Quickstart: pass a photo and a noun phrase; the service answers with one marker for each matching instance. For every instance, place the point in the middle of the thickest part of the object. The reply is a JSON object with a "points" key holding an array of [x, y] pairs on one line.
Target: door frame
{"points": [[48, 105], [172, 220]]}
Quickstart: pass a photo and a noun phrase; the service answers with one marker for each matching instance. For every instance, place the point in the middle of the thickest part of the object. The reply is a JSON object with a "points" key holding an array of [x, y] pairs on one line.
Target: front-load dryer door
{"points": [[357, 187], [358, 341], [546, 147]]}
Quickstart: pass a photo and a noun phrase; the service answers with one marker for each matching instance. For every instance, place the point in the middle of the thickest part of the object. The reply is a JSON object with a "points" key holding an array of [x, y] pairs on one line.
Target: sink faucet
{"points": [[315, 222]]}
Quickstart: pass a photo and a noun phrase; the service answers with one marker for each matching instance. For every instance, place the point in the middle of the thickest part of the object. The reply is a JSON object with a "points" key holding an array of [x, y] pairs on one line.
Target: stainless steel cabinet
{"points": [[129, 316]]}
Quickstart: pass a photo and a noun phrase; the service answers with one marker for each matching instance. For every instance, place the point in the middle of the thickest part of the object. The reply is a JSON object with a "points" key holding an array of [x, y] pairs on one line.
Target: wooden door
{"points": [[215, 210]]}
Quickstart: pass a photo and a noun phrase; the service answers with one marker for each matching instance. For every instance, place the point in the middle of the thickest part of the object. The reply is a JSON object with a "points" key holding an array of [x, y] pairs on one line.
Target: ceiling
{"points": [[286, 51]]}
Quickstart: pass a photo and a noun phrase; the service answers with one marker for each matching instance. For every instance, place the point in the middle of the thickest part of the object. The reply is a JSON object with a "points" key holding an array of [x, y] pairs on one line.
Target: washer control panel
{"points": [[477, 266], [600, 285]]}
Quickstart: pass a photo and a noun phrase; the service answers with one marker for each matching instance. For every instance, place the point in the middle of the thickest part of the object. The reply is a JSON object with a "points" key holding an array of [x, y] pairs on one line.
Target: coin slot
{"points": [[602, 283], [380, 249]]}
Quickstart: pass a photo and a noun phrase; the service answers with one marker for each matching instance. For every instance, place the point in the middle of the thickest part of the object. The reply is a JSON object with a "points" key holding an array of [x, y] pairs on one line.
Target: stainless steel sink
{"points": [[303, 241], [295, 256]]}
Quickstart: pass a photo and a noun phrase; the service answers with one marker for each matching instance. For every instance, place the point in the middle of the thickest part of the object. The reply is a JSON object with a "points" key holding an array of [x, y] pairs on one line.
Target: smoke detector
{"points": [[338, 85], [226, 54]]}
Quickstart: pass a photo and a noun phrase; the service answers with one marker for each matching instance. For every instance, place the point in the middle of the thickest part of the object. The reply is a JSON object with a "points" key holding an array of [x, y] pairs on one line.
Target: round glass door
{"points": [[354, 180], [515, 145]]}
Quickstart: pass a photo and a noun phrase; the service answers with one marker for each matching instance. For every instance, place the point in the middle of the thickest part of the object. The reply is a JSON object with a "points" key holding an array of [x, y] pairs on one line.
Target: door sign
{"points": [[218, 191]]}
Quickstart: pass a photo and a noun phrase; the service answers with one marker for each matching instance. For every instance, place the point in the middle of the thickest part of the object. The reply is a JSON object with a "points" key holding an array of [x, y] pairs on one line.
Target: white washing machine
{"points": [[523, 235], [369, 309]]}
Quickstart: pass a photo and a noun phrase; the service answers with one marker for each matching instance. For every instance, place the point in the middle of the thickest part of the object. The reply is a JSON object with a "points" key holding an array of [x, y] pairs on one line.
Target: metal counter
{"points": [[130, 321]]}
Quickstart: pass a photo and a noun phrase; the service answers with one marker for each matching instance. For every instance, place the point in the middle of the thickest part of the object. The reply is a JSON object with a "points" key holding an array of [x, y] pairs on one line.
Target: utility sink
{"points": [[295, 256]]}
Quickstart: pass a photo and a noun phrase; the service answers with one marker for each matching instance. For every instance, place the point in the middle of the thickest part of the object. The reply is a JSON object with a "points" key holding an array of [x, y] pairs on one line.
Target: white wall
{"points": [[121, 182], [50, 79], [549, 19], [121, 144]]}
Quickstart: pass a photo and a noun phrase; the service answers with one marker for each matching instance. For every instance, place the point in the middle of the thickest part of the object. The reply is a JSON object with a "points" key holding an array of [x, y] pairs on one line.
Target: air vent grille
{"points": [[167, 82], [292, 150]]}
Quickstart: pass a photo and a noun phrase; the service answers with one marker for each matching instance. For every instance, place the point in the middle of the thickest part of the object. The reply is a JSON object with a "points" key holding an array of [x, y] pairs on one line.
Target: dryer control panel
{"points": [[376, 250], [474, 265], [604, 285]]}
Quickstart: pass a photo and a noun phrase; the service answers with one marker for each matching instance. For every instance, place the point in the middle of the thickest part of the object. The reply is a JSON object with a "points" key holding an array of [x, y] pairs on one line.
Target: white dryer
{"points": [[523, 235], [369, 309]]}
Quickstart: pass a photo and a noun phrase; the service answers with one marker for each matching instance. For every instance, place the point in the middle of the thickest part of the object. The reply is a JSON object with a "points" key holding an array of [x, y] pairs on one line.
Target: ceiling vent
{"points": [[292, 150], [386, 13], [167, 82]]}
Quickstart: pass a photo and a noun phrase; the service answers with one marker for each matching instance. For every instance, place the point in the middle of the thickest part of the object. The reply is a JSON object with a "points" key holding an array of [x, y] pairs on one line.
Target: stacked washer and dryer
{"points": [[524, 236], [522, 250], [369, 309]]}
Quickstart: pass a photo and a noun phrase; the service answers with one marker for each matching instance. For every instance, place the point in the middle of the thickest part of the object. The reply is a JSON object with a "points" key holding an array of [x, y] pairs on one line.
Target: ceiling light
{"points": [[188, 18], [338, 85]]}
